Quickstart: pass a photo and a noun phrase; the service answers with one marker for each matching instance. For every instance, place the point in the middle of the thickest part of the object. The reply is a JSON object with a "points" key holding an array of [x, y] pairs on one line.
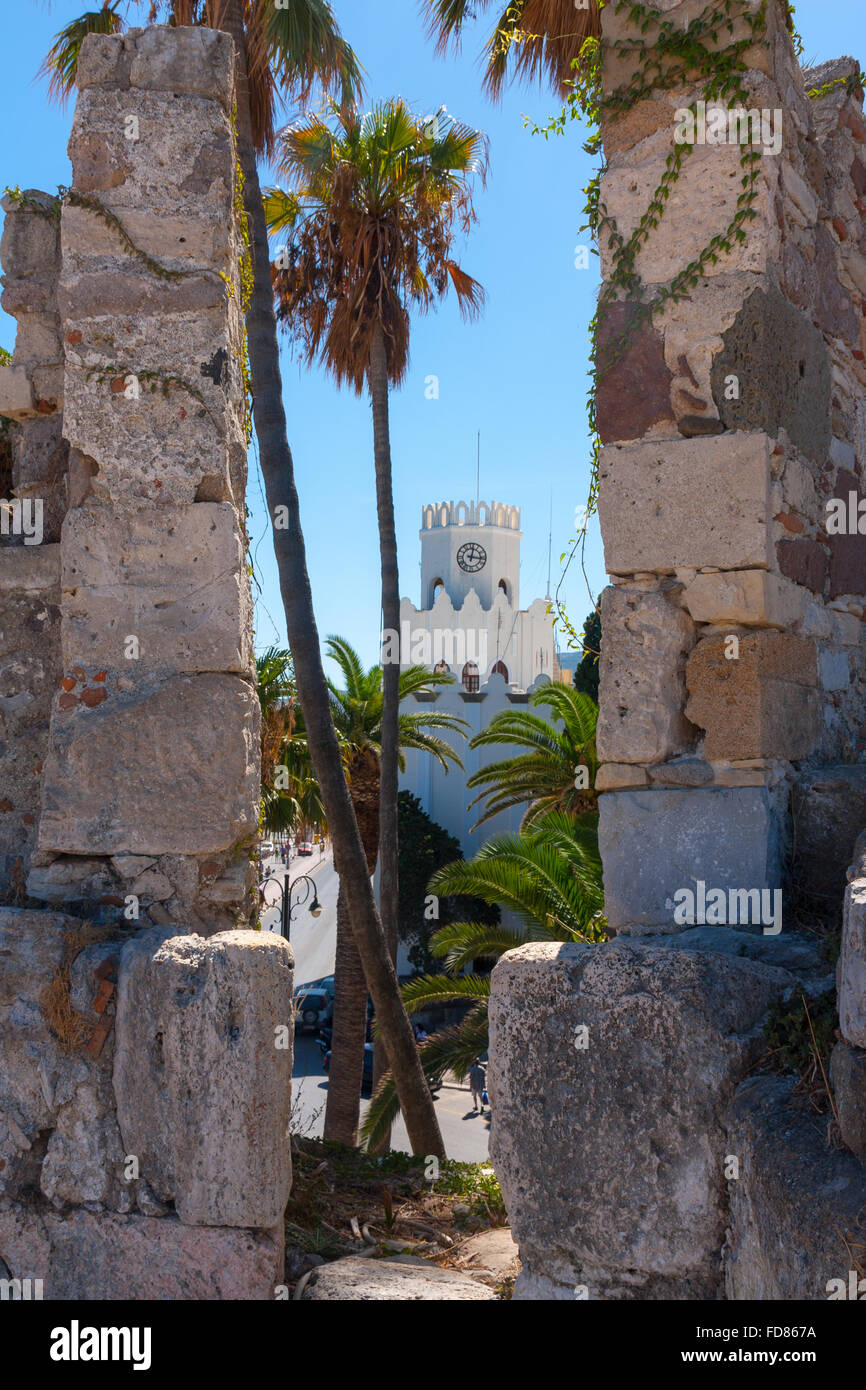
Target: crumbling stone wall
{"points": [[33, 476], [731, 730], [730, 422], [146, 1042]]}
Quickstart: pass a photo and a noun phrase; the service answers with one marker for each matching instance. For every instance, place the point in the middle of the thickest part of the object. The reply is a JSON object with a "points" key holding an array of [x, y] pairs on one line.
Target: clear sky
{"points": [[519, 375]]}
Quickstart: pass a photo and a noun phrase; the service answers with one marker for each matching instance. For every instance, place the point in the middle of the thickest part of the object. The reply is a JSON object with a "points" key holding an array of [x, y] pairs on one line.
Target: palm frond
{"points": [[60, 64], [461, 943], [454, 1049]]}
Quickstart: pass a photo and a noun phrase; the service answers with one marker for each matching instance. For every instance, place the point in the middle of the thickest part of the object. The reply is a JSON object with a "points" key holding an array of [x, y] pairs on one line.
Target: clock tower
{"points": [[470, 545]]}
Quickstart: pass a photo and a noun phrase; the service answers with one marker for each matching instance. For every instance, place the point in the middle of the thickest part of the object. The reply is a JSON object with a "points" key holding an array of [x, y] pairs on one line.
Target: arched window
{"points": [[503, 585], [435, 590], [470, 678], [441, 668], [500, 669]]}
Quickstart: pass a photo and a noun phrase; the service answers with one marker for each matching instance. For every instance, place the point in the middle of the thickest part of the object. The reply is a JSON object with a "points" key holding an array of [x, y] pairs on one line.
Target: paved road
{"points": [[314, 941], [464, 1133]]}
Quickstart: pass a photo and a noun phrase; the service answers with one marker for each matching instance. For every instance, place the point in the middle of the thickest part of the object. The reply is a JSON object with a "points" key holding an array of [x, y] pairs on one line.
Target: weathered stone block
{"points": [[30, 241], [805, 562], [633, 394], [84, 1158], [181, 137], [159, 438], [90, 244], [32, 569], [203, 1085], [702, 202], [829, 810], [175, 577], [745, 598], [642, 677], [852, 965], [761, 704], [686, 503], [124, 775], [89, 1256], [54, 1105], [795, 1202], [623, 1057], [848, 1079], [196, 61], [783, 374], [17, 401], [658, 841], [373, 1281]]}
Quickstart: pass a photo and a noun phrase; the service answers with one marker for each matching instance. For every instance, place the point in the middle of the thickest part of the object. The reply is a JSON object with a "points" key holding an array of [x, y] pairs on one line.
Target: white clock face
{"points": [[472, 557]]}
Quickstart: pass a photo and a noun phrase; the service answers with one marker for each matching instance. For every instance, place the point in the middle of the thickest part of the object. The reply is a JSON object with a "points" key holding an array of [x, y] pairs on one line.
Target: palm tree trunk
{"points": [[390, 738], [390, 741], [278, 471], [345, 1074], [346, 1070]]}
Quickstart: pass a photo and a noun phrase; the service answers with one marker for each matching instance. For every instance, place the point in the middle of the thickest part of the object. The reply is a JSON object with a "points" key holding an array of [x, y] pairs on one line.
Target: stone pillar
{"points": [[147, 1044], [151, 780], [33, 462], [732, 670], [733, 653]]}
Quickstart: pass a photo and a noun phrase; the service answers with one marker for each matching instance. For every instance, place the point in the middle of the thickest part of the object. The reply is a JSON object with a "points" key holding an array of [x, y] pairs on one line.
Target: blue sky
{"points": [[519, 375]]}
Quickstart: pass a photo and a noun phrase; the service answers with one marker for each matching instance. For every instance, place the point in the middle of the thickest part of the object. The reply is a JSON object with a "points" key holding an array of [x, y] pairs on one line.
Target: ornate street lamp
{"points": [[287, 908]]}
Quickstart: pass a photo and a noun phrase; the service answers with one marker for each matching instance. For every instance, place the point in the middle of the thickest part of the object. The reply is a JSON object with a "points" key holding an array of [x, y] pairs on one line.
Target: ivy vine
{"points": [[663, 57]]}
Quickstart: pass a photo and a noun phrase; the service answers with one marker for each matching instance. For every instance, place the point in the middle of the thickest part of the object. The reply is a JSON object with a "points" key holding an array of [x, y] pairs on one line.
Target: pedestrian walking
{"points": [[477, 1083]]}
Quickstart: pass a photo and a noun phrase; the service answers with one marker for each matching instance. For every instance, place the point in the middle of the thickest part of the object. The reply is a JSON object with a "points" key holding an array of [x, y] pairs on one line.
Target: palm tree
{"points": [[547, 776], [549, 876], [531, 39], [289, 47], [372, 219], [357, 710], [290, 793]]}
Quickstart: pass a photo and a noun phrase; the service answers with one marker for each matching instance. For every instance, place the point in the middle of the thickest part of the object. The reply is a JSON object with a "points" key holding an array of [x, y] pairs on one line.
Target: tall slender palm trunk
{"points": [[390, 740], [346, 1072], [278, 471]]}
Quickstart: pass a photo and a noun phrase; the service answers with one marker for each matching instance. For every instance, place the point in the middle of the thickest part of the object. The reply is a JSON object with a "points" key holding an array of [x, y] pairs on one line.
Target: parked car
{"points": [[367, 1080], [305, 847], [313, 1008], [325, 984], [266, 849]]}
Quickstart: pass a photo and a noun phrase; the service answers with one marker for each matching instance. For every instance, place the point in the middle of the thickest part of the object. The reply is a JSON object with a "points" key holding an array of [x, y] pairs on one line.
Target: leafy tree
{"points": [[371, 219], [550, 878], [587, 672], [426, 847], [547, 776], [282, 51]]}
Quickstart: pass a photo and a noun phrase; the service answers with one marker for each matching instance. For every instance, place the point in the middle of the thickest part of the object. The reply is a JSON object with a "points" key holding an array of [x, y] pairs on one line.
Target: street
{"points": [[314, 941]]}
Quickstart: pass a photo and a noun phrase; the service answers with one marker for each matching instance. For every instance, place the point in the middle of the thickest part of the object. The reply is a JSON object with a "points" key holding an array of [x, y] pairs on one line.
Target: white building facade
{"points": [[470, 624]]}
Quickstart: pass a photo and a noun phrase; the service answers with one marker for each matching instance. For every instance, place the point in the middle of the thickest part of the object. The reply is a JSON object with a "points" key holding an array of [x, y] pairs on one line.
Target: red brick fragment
{"points": [[93, 697]]}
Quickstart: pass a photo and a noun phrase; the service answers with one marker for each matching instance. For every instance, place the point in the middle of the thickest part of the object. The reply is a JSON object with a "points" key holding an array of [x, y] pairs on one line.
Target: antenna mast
{"points": [[549, 543], [478, 472]]}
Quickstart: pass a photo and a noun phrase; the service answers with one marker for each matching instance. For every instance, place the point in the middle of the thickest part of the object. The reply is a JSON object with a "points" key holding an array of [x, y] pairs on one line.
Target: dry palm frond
{"points": [[535, 40]]}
